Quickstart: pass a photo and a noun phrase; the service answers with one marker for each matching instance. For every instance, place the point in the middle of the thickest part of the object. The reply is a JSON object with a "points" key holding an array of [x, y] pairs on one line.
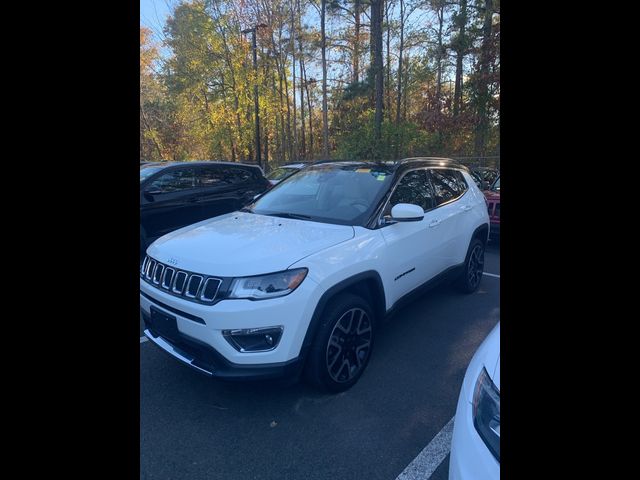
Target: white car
{"points": [[298, 280], [475, 445]]}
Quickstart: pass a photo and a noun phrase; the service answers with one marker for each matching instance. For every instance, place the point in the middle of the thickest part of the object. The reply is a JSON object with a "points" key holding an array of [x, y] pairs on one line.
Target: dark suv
{"points": [[177, 194]]}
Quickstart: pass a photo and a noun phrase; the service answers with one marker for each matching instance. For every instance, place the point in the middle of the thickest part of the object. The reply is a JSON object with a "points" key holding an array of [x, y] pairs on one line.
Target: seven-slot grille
{"points": [[188, 285]]}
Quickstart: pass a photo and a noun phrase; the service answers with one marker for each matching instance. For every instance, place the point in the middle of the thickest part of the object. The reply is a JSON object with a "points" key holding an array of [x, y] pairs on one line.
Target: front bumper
{"points": [[200, 342], [470, 458], [208, 361]]}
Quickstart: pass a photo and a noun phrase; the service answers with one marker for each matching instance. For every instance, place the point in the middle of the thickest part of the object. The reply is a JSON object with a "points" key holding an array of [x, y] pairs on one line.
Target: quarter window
{"points": [[216, 176], [414, 188]]}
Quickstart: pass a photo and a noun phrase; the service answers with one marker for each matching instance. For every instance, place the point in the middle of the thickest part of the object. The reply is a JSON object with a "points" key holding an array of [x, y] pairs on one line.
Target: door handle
{"points": [[434, 223], [466, 208]]}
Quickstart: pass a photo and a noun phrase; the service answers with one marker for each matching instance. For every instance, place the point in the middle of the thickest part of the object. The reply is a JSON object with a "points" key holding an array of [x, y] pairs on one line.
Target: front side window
{"points": [[175, 181], [448, 185], [414, 188], [147, 170]]}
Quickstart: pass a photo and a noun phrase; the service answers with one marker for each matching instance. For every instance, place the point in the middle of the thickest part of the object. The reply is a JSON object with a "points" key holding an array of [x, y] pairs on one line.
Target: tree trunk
{"points": [[399, 98], [462, 22], [439, 57], [356, 43], [483, 83], [376, 43], [388, 69], [325, 119], [293, 82], [306, 87]]}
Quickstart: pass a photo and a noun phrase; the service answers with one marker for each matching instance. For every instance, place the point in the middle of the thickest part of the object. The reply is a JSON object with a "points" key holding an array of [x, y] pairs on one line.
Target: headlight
{"points": [[267, 286], [486, 413]]}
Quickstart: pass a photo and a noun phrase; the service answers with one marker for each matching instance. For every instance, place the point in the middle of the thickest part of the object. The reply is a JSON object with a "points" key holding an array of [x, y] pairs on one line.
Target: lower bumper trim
{"points": [[176, 352]]}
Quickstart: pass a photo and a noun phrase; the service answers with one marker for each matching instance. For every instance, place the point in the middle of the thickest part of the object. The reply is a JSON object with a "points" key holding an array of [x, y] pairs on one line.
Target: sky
{"points": [[153, 13]]}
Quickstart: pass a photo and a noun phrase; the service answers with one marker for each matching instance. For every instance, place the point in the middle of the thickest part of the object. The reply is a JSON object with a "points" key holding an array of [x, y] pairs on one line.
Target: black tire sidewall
{"points": [[317, 372], [463, 282]]}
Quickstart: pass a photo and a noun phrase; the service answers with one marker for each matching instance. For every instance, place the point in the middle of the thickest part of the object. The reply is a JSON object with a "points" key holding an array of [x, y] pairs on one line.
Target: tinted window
{"points": [[148, 170], [235, 176], [414, 188], [448, 185], [281, 173], [175, 180], [218, 175]]}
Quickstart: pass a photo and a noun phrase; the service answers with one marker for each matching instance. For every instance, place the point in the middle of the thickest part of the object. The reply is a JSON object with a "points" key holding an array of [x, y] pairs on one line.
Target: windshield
{"points": [[147, 170], [281, 173], [344, 194]]}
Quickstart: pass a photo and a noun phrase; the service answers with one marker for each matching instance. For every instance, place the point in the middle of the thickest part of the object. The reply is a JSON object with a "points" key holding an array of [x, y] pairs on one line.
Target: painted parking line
{"points": [[431, 456], [143, 339]]}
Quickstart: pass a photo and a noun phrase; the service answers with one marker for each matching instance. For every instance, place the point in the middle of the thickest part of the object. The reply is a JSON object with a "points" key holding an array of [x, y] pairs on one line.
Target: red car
{"points": [[493, 204]]}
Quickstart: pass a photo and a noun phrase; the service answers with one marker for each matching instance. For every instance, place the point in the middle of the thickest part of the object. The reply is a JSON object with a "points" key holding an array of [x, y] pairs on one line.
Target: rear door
{"points": [[451, 206], [226, 188]]}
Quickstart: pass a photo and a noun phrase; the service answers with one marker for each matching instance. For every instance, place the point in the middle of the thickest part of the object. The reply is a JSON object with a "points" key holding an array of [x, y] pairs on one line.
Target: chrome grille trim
{"points": [[151, 264], [204, 289], [167, 278], [175, 282], [192, 278], [157, 274], [164, 283]]}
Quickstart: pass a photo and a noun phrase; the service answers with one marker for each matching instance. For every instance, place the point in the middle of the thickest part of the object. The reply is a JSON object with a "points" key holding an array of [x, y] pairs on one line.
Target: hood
{"points": [[241, 244]]}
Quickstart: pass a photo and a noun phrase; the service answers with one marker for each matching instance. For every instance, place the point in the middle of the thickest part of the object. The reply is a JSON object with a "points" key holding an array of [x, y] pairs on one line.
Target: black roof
{"points": [[402, 164], [199, 162]]}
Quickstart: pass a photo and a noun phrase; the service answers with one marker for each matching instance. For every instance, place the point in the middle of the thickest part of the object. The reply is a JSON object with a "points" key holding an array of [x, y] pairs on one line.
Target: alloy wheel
{"points": [[349, 345], [476, 265]]}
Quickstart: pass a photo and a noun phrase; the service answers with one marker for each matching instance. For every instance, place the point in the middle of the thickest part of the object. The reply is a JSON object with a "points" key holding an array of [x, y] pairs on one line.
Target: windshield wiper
{"points": [[296, 216]]}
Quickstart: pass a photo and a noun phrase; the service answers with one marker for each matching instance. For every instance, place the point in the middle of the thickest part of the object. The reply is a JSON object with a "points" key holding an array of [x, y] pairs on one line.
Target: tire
{"points": [[469, 279], [347, 320]]}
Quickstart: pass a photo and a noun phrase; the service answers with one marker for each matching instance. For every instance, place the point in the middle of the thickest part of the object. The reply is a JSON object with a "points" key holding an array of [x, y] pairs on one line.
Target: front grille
{"points": [[191, 286]]}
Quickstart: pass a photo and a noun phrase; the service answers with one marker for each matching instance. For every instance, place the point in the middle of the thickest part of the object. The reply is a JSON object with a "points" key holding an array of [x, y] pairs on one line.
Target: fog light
{"points": [[254, 339]]}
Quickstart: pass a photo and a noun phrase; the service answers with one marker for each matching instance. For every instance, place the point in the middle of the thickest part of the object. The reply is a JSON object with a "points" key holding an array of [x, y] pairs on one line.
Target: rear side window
{"points": [[234, 176], [215, 176], [175, 181], [448, 185], [414, 188]]}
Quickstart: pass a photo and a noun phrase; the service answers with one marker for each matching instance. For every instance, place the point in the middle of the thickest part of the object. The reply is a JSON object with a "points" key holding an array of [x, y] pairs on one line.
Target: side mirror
{"points": [[406, 212], [149, 194]]}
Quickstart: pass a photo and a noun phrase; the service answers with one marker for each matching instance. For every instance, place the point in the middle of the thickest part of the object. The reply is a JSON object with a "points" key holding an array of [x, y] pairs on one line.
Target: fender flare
{"points": [[378, 300]]}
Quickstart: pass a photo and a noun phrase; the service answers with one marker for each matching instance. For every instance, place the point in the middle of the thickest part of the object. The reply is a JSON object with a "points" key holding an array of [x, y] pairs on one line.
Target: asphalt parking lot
{"points": [[193, 427]]}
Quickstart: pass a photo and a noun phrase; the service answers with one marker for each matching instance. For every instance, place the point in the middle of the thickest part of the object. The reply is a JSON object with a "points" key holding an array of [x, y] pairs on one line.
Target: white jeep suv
{"points": [[299, 280]]}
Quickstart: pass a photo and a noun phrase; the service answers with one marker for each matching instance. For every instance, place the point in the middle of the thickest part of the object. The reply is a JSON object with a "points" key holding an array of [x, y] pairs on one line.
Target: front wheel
{"points": [[469, 279], [342, 346]]}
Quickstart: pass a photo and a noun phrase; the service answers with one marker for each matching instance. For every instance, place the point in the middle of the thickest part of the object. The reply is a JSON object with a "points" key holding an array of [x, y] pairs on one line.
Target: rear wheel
{"points": [[471, 274], [342, 346]]}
